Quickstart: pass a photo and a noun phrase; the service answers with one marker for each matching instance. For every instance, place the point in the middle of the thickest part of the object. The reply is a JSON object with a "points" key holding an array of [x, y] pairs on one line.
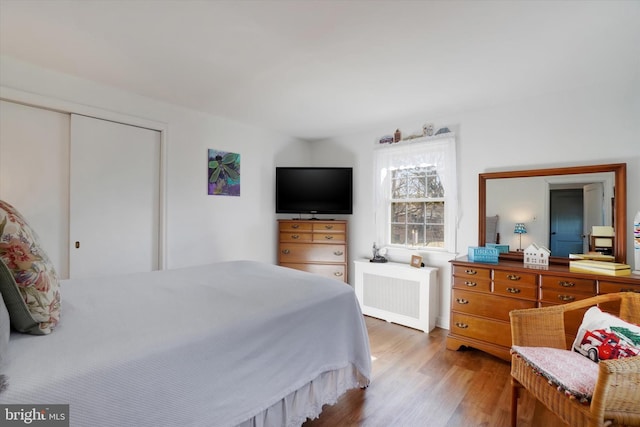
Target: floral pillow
{"points": [[28, 282], [605, 336]]}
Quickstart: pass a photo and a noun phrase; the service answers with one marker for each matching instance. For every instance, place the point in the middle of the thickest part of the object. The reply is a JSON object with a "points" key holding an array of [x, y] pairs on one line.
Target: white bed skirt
{"points": [[307, 401]]}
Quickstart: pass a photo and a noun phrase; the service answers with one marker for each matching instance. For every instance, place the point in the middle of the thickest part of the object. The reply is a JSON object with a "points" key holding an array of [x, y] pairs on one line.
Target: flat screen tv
{"points": [[314, 190]]}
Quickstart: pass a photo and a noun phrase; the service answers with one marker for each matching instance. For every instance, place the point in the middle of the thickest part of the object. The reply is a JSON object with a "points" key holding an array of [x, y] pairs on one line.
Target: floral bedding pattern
{"points": [[33, 295]]}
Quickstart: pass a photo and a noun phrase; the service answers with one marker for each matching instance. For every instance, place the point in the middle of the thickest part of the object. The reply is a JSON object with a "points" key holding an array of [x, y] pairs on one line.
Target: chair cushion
{"points": [[28, 282], [568, 371], [605, 336]]}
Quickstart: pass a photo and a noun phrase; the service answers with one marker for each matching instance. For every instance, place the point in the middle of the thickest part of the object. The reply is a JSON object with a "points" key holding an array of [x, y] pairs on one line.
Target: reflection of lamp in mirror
{"points": [[520, 230]]}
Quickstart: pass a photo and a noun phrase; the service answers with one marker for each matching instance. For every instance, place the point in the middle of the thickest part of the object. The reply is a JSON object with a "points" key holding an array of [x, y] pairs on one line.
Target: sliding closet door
{"points": [[34, 174], [114, 198]]}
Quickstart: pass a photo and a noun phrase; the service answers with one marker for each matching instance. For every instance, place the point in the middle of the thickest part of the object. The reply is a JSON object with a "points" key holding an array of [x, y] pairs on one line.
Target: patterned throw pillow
{"points": [[28, 282], [605, 336]]}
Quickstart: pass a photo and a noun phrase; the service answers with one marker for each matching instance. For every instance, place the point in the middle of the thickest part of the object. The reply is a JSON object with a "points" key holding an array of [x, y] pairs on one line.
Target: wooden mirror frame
{"points": [[619, 207]]}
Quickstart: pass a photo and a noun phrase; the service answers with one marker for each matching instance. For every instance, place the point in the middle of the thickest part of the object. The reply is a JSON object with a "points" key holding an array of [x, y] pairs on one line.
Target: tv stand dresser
{"points": [[483, 295], [316, 246]]}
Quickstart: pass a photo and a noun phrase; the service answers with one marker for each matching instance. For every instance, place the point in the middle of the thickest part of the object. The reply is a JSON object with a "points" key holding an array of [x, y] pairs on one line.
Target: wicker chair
{"points": [[616, 397]]}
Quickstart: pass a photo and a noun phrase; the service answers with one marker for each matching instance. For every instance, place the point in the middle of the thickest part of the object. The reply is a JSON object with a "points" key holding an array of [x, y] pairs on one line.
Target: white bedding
{"points": [[213, 345]]}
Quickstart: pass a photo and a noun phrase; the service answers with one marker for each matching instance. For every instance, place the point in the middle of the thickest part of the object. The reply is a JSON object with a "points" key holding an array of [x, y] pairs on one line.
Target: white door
{"points": [[34, 174], [593, 209], [114, 198]]}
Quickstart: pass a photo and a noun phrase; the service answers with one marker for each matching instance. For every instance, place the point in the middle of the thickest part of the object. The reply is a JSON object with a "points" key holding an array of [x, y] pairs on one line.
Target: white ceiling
{"points": [[314, 69]]}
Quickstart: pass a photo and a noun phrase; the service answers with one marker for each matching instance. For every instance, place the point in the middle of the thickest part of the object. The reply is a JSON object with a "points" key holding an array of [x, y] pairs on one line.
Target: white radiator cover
{"points": [[398, 293]]}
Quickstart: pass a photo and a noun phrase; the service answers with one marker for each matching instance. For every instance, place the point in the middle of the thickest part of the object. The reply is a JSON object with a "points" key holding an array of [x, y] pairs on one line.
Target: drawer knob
{"points": [[566, 298], [338, 253], [513, 277], [471, 284], [338, 273], [462, 301], [295, 236], [471, 272], [328, 237], [286, 251], [295, 226], [513, 290], [567, 284], [329, 227], [462, 325]]}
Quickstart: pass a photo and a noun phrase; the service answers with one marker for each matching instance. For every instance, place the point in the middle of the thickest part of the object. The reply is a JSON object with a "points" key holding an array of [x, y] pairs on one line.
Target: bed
{"points": [[234, 343]]}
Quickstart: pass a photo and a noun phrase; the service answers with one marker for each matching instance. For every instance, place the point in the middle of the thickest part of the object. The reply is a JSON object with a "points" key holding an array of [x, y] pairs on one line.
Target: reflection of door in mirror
{"points": [[566, 222]]}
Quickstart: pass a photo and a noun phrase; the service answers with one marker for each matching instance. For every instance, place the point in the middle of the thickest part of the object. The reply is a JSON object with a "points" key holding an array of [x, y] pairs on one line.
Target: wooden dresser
{"points": [[316, 246], [484, 294]]}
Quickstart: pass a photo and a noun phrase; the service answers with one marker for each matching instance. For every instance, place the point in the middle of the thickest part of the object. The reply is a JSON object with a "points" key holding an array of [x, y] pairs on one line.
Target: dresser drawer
{"points": [[308, 252], [491, 331], [513, 277], [481, 285], [605, 287], [487, 306], [324, 227], [295, 226], [613, 287], [562, 296], [472, 272], [569, 284], [295, 237], [329, 237], [337, 271], [516, 290]]}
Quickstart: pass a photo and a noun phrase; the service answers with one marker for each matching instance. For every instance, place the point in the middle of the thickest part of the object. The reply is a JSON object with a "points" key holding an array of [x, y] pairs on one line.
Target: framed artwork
{"points": [[416, 261], [223, 173]]}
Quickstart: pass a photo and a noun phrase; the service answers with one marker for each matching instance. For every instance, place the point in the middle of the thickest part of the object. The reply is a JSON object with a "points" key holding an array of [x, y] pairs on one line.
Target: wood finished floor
{"points": [[417, 382]]}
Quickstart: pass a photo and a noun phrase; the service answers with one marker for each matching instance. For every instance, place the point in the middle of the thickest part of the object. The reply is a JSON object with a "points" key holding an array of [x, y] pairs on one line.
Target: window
{"points": [[416, 194]]}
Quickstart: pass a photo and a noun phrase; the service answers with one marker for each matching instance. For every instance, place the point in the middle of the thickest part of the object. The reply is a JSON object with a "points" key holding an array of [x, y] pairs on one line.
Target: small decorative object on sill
{"points": [[397, 136], [427, 129], [443, 130], [387, 139], [416, 261], [483, 254], [536, 255], [378, 254]]}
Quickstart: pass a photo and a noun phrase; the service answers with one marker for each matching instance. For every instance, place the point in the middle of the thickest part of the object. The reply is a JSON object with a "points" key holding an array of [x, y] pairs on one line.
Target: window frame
{"points": [[436, 152]]}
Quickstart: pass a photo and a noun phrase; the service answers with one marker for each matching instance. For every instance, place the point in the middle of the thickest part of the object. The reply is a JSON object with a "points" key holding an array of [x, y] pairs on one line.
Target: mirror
{"points": [[530, 196]]}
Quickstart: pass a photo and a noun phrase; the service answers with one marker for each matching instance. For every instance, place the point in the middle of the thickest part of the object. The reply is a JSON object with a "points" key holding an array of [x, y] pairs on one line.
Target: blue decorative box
{"points": [[483, 254], [503, 249]]}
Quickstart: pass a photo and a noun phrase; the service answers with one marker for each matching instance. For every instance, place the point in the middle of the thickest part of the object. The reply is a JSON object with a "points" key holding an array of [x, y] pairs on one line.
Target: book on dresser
{"points": [[600, 267]]}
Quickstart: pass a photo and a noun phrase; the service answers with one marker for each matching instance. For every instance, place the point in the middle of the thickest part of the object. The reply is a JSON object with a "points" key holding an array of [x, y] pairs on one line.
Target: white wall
{"points": [[199, 228], [591, 126]]}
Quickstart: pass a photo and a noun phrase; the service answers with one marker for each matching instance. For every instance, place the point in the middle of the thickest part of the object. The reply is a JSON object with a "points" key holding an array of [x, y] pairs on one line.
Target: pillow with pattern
{"points": [[28, 282], [604, 336]]}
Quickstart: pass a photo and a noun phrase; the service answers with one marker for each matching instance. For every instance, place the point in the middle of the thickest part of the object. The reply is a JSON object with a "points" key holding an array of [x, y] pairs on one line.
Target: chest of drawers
{"points": [[482, 296], [315, 246]]}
